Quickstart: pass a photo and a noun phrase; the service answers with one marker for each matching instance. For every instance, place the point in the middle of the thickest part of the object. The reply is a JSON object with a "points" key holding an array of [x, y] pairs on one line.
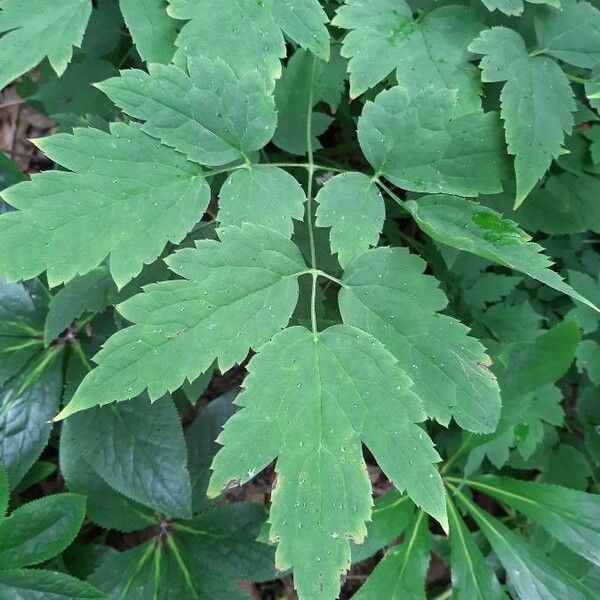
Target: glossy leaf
{"points": [[38, 584]]}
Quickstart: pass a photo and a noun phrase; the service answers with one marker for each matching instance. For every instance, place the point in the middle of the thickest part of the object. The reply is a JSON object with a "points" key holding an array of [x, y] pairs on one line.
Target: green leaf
{"points": [[385, 293], [468, 226], [590, 286], [200, 439], [105, 506], [193, 559], [38, 30], [514, 8], [130, 200], [26, 407], [391, 514], [431, 51], [263, 195], [37, 584], [305, 82], [401, 573], [588, 360], [344, 387], [39, 530], [91, 292], [536, 103], [242, 33], [213, 125], [152, 30], [530, 572], [352, 206], [571, 34], [472, 577], [236, 294], [38, 472], [4, 493], [570, 516], [138, 449], [457, 155], [304, 21]]}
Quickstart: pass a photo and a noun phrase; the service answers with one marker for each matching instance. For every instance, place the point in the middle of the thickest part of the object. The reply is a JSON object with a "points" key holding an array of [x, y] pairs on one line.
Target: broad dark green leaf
{"points": [[37, 584], [237, 293], [385, 292], [36, 30], [456, 155], [401, 573], [530, 572], [126, 197], [344, 387], [39, 530], [570, 516], [138, 448], [469, 226], [472, 576]]}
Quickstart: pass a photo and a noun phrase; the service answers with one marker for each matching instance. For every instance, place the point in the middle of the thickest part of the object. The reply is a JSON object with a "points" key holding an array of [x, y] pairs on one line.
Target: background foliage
{"points": [[304, 198]]}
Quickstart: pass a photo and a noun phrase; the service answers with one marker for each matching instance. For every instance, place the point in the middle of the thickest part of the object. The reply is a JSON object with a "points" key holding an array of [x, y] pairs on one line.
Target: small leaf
{"points": [[456, 155], [401, 573], [468, 226], [344, 387], [352, 206], [127, 202], [263, 195], [536, 101], [39, 29], [152, 30], [385, 293], [570, 516], [236, 294], [39, 530]]}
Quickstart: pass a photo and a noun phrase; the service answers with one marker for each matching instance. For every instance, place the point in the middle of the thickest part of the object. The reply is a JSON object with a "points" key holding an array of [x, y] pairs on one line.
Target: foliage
{"points": [[309, 195]]}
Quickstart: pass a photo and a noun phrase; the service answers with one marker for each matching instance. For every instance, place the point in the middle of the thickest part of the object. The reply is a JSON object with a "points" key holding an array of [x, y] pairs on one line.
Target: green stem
{"points": [[309, 196], [391, 194], [458, 454], [576, 79]]}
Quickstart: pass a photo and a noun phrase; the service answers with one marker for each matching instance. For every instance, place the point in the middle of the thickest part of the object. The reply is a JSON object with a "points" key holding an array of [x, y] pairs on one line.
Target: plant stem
{"points": [[309, 195], [391, 194], [458, 454]]}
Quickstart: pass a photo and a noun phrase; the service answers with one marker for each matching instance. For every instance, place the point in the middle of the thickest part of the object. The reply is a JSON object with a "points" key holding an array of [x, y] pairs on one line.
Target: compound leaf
{"points": [[128, 201], [570, 516], [236, 294], [39, 530], [401, 573], [457, 155], [385, 293], [263, 195], [469, 226], [571, 34], [345, 387], [472, 577], [152, 30], [352, 206], [38, 29], [213, 124], [38, 584], [536, 103], [138, 449], [514, 8]]}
